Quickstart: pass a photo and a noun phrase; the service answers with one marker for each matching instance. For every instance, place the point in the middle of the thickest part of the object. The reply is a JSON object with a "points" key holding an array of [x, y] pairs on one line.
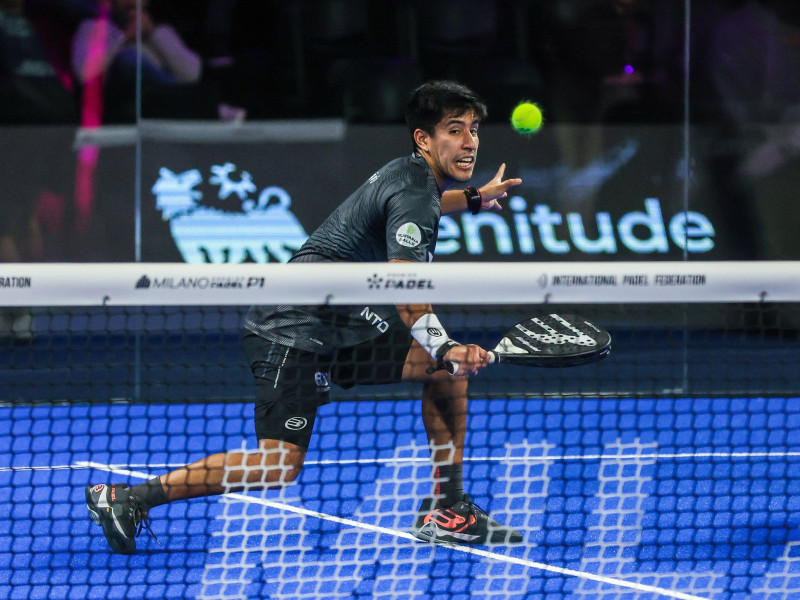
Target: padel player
{"points": [[295, 351]]}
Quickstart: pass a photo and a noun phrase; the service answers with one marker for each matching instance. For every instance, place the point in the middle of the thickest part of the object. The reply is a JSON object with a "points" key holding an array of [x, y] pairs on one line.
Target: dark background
{"points": [[629, 115]]}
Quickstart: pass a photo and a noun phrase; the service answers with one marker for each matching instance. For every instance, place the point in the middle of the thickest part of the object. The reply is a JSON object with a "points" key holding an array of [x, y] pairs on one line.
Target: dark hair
{"points": [[434, 100]]}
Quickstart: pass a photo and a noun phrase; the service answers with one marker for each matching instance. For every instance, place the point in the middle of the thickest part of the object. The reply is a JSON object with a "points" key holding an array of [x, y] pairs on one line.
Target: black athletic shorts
{"points": [[291, 384]]}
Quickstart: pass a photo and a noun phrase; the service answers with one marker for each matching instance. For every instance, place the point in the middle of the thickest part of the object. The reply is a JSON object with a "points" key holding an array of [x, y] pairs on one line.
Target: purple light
{"points": [[629, 69]]}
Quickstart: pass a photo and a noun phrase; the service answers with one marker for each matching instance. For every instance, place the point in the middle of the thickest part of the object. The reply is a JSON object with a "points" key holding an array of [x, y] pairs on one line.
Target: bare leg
{"points": [[274, 465], [449, 516], [444, 414]]}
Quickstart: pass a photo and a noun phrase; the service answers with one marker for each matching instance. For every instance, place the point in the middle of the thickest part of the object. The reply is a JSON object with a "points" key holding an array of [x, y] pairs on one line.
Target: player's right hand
{"points": [[466, 359]]}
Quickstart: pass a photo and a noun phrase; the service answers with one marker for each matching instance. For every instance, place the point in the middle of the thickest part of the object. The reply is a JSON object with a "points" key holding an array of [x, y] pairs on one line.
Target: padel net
{"points": [[669, 468]]}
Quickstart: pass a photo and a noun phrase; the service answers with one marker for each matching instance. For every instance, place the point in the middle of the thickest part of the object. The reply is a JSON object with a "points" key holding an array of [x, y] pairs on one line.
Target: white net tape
{"points": [[162, 284]]}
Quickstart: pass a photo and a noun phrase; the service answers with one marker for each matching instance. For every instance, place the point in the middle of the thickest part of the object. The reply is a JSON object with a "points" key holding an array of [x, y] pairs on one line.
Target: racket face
{"points": [[554, 340]]}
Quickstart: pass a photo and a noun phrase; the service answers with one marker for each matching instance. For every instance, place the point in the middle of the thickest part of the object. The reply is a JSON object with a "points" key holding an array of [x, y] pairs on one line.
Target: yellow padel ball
{"points": [[526, 118]]}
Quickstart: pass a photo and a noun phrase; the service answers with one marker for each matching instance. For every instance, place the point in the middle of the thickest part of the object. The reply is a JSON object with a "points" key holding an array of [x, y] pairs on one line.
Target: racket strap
{"points": [[439, 356]]}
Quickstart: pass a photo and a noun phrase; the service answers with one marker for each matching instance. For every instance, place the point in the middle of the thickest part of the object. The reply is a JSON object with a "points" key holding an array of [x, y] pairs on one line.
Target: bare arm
{"points": [[421, 320]]}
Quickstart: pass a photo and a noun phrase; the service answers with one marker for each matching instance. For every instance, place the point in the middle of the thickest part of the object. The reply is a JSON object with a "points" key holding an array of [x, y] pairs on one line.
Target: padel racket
{"points": [[552, 340]]}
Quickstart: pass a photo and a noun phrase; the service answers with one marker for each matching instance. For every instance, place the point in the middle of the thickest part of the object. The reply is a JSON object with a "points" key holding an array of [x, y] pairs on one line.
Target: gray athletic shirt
{"points": [[393, 215]]}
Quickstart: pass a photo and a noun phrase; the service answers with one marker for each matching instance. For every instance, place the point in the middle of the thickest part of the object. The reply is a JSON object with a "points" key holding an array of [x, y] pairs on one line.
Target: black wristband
{"points": [[441, 351], [474, 200]]}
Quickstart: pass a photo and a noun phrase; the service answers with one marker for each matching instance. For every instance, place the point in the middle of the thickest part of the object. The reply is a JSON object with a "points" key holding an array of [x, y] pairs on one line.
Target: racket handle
{"points": [[452, 367]]}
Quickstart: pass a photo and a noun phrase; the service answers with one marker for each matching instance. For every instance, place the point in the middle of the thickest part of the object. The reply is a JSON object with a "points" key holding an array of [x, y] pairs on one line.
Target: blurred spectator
{"points": [[755, 62], [607, 62], [481, 44], [171, 72], [204, 25], [30, 90], [753, 66], [615, 61], [30, 93], [165, 58]]}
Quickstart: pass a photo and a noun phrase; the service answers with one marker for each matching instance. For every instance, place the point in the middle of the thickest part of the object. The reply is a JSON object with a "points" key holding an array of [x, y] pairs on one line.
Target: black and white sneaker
{"points": [[462, 523], [119, 513]]}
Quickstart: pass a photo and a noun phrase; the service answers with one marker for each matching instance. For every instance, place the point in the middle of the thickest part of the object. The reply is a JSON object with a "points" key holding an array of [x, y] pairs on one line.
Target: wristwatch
{"points": [[474, 200]]}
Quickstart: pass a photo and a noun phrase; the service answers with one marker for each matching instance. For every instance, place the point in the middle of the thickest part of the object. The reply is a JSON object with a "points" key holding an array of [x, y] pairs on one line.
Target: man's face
{"points": [[452, 149]]}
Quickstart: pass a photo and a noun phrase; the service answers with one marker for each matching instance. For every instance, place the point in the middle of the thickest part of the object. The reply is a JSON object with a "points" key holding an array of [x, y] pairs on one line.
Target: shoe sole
{"points": [[432, 534], [423, 536], [109, 529], [426, 538]]}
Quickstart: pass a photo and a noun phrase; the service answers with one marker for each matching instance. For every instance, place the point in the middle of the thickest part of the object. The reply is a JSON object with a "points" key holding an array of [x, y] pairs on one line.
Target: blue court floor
{"points": [[617, 499]]}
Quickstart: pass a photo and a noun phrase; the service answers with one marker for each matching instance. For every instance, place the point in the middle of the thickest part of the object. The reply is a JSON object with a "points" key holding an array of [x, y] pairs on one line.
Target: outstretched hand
{"points": [[497, 188]]}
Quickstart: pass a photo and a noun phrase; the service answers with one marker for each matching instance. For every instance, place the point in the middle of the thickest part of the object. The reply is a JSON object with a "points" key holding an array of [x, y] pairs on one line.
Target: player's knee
{"points": [[445, 385], [288, 475], [277, 462]]}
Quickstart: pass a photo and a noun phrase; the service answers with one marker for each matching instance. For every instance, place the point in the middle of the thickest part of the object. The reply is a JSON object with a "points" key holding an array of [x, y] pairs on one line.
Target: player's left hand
{"points": [[470, 358], [497, 188]]}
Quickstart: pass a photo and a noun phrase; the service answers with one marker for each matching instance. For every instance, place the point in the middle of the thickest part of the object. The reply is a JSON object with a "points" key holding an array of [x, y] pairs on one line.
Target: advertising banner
{"points": [[634, 197], [218, 193]]}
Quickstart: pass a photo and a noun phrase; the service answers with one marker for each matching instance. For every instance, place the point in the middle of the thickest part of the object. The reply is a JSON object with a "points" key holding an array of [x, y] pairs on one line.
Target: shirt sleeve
{"points": [[411, 225]]}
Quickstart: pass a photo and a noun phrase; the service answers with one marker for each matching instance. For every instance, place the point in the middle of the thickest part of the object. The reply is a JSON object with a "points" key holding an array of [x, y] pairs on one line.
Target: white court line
{"points": [[506, 459], [641, 587], [566, 457]]}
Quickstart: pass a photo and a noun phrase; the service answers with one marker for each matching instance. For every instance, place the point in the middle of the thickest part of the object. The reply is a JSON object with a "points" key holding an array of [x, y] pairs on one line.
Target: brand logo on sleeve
{"points": [[408, 235]]}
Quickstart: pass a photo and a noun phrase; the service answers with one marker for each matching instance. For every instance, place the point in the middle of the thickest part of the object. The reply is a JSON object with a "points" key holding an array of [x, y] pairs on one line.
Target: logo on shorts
{"points": [[323, 381], [408, 235], [296, 423]]}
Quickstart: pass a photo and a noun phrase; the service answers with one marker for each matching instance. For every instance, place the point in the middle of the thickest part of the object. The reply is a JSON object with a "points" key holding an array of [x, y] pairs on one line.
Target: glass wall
{"points": [[225, 131]]}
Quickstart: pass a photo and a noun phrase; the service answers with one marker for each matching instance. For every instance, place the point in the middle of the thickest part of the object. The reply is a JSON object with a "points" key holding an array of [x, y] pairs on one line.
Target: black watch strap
{"points": [[473, 199]]}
